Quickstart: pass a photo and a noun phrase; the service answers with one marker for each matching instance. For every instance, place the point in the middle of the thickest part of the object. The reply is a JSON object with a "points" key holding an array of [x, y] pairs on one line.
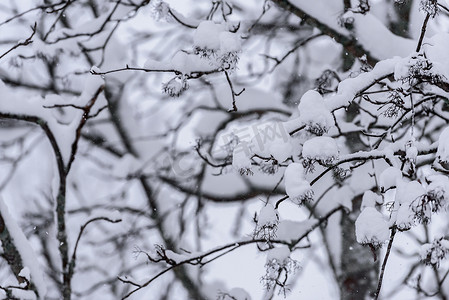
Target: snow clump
{"points": [[297, 187], [278, 260], [321, 149], [314, 114], [433, 253], [241, 162], [267, 222], [389, 177], [371, 228], [407, 198], [213, 41]]}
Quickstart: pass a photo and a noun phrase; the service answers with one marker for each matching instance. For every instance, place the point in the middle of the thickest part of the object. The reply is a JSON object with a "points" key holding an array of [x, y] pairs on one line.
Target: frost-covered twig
{"points": [[26, 42], [52, 6], [19, 254], [83, 227], [199, 259], [193, 74], [94, 32]]}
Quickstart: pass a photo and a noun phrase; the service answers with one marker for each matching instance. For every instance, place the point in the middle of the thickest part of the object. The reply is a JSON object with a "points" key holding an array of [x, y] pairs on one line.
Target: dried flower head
{"points": [[432, 254], [269, 167], [346, 20], [340, 174], [267, 223], [205, 52], [228, 60], [246, 172], [363, 7], [277, 272], [176, 86], [324, 82], [421, 70], [430, 7], [396, 104], [160, 10], [308, 165], [316, 129], [432, 202]]}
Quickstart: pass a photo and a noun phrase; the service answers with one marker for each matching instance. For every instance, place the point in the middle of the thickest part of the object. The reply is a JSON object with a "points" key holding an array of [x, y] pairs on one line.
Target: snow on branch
{"points": [[27, 255]]}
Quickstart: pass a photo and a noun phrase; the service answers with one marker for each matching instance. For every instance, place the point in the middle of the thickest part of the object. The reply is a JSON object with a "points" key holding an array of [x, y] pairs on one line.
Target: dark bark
{"points": [[11, 255], [399, 25], [10, 252], [348, 42], [359, 271], [113, 93]]}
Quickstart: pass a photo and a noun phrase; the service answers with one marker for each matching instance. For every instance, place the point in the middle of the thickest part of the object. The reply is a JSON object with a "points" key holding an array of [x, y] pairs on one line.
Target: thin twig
{"points": [[423, 32], [384, 263], [83, 120], [233, 93], [192, 74], [73, 260], [28, 41], [280, 201], [233, 246]]}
